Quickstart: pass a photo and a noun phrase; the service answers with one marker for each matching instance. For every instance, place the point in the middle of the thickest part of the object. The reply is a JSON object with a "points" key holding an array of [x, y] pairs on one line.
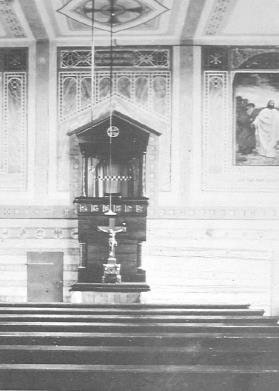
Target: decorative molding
{"points": [[215, 58], [67, 213], [97, 208], [13, 59], [37, 212], [22, 233], [125, 15], [202, 213], [13, 119], [10, 19], [215, 124], [241, 56], [75, 91], [81, 58], [13, 132], [217, 16]]}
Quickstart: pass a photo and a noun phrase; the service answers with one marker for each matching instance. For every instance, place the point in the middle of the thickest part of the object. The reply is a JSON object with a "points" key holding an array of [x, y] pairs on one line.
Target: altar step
{"points": [[212, 340], [137, 347], [113, 327], [136, 306], [141, 318], [138, 378], [130, 311], [136, 355]]}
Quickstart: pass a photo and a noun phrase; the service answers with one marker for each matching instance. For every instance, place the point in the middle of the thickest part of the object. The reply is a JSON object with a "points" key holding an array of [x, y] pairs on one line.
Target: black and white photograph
{"points": [[139, 195]]}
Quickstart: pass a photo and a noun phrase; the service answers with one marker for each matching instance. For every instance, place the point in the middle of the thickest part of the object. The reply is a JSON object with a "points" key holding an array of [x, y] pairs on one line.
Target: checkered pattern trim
{"points": [[114, 178]]}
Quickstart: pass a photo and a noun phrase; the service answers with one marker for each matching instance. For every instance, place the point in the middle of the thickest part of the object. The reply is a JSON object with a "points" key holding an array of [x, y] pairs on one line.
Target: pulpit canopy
{"points": [[129, 137]]}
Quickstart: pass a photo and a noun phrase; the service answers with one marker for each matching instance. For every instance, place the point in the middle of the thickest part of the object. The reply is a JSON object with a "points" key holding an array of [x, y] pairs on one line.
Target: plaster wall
{"points": [[212, 237], [216, 241]]}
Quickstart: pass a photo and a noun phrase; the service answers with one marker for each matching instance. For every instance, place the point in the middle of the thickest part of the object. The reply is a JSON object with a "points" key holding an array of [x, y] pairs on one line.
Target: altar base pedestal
{"points": [[92, 293]]}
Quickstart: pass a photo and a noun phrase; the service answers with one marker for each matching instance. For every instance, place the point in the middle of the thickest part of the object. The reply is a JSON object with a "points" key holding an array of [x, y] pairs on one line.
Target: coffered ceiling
{"points": [[141, 22]]}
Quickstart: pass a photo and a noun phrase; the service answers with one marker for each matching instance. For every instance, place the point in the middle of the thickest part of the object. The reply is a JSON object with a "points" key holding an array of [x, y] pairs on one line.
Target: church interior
{"points": [[139, 182]]}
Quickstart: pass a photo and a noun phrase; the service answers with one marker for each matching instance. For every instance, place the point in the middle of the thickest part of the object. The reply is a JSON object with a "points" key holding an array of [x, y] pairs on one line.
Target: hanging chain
{"points": [[110, 102], [92, 59]]}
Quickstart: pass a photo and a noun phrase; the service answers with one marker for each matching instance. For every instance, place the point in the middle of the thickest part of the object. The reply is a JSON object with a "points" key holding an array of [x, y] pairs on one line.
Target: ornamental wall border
{"points": [[188, 213]]}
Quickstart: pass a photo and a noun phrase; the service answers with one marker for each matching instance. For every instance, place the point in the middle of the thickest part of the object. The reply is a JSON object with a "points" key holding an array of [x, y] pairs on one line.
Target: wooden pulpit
{"points": [[113, 149]]}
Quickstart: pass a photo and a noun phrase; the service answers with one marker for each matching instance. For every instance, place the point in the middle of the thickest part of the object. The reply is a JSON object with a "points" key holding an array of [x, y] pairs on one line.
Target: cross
{"points": [[112, 230]]}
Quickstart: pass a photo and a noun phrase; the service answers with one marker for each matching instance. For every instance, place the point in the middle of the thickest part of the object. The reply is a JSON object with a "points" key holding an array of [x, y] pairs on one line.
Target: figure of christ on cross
{"points": [[111, 269]]}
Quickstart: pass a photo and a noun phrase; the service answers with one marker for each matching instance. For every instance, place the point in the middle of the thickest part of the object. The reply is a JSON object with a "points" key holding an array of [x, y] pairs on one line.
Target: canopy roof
{"points": [[132, 138]]}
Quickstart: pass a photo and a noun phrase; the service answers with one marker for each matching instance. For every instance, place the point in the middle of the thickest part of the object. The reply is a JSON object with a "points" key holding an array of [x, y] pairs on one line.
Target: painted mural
{"points": [[256, 99]]}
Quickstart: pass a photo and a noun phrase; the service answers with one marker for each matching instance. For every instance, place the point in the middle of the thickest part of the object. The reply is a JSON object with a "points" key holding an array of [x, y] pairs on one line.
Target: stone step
{"points": [[138, 318], [128, 312], [71, 377], [134, 327], [126, 306], [123, 355], [255, 341], [198, 348]]}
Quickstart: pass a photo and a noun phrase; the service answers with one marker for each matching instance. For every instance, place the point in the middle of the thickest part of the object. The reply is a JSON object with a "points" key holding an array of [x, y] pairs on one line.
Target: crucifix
{"points": [[111, 268]]}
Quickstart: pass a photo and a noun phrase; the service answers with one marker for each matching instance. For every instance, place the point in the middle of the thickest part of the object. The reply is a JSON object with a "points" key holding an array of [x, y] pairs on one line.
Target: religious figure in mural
{"points": [[257, 122], [245, 136], [267, 130]]}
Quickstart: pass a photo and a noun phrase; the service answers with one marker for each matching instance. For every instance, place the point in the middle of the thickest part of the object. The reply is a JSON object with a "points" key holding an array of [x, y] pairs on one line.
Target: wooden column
{"points": [[84, 176], [83, 255], [143, 175], [139, 255]]}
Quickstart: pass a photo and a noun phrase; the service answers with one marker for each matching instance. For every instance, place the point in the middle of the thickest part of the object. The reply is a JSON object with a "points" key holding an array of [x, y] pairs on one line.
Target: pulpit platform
{"points": [[106, 293]]}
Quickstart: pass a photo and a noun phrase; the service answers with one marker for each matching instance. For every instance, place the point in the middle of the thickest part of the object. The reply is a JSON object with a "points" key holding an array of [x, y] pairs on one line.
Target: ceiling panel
{"points": [[253, 17], [239, 22], [141, 22], [151, 21], [13, 24]]}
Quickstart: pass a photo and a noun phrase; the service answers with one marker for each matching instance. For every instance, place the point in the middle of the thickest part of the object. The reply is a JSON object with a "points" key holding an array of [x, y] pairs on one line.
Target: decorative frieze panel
{"points": [[10, 20], [123, 209], [37, 233], [149, 90], [215, 58], [232, 58], [215, 123], [132, 58], [13, 133], [14, 59], [171, 213], [217, 16], [13, 119]]}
